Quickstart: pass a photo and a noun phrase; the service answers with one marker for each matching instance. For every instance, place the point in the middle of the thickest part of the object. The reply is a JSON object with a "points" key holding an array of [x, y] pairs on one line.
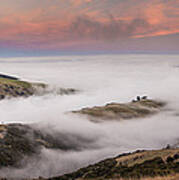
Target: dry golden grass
{"points": [[140, 157], [121, 111], [170, 177]]}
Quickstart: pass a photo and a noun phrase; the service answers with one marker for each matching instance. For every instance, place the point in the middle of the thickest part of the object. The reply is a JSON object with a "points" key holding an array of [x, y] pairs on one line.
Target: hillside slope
{"points": [[14, 87], [121, 111], [156, 164]]}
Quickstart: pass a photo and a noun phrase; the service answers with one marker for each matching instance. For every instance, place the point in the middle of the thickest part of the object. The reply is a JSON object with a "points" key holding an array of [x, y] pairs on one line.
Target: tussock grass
{"points": [[120, 111], [147, 165], [4, 81]]}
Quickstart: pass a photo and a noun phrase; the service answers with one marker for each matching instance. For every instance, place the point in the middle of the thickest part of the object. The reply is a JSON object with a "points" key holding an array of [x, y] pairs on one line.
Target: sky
{"points": [[89, 25]]}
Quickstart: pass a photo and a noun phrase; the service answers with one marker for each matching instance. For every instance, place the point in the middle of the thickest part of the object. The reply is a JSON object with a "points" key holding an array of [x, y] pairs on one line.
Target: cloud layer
{"points": [[113, 78]]}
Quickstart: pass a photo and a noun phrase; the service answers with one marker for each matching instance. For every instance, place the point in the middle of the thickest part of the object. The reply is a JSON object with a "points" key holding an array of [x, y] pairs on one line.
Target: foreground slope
{"points": [[155, 164]]}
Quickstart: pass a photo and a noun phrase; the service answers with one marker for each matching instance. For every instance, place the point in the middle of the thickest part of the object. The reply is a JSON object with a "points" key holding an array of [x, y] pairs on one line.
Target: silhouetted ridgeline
{"points": [[8, 77]]}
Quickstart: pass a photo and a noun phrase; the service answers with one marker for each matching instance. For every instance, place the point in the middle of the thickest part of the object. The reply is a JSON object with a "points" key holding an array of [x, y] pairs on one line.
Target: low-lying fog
{"points": [[101, 79]]}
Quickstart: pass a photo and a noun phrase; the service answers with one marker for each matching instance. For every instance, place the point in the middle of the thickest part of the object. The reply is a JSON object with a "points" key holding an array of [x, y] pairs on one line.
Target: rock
{"points": [[169, 159], [2, 97], [176, 156], [144, 97], [138, 98], [15, 88], [168, 146]]}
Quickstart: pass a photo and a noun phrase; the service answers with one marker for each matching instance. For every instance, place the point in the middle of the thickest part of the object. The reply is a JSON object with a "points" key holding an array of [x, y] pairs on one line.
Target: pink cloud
{"points": [[69, 22]]}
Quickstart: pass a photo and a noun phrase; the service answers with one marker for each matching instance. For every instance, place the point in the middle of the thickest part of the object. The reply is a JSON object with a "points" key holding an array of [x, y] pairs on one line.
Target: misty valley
{"points": [[89, 117]]}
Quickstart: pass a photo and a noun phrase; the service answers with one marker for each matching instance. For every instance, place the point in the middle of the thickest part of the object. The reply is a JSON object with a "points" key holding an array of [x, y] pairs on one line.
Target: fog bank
{"points": [[100, 79]]}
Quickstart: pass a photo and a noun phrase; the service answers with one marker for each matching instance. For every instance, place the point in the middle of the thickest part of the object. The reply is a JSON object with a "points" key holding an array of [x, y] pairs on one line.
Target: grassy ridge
{"points": [[24, 84], [156, 164], [121, 111], [15, 88]]}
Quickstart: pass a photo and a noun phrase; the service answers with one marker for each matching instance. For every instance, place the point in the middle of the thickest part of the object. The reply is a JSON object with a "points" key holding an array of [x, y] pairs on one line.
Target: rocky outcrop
{"points": [[134, 109]]}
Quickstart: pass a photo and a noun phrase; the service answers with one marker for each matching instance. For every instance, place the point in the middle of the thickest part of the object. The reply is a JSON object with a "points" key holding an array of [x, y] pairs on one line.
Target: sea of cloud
{"points": [[100, 79]]}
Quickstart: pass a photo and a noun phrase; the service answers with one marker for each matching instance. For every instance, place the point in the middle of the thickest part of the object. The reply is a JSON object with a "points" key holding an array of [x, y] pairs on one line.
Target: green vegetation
{"points": [[16, 88], [19, 83]]}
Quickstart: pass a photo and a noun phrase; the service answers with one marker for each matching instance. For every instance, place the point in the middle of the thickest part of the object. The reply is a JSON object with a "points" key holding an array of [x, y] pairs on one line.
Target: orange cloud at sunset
{"points": [[80, 2], [154, 13], [61, 23]]}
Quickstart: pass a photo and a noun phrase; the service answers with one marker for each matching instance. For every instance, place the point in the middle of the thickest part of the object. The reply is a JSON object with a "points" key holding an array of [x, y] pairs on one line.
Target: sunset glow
{"points": [[75, 24]]}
